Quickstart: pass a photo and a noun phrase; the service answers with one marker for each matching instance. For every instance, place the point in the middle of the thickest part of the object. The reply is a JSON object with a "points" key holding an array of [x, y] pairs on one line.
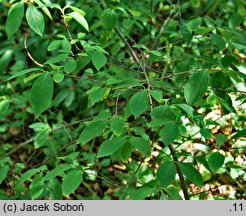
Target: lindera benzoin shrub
{"points": [[122, 99]]}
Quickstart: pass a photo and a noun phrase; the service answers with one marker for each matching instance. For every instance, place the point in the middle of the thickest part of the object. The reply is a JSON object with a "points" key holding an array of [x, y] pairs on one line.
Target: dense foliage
{"points": [[119, 99]]}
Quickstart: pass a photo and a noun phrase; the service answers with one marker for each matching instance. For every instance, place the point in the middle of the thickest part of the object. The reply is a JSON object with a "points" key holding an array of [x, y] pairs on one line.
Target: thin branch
{"points": [[162, 29], [32, 139], [180, 174], [29, 54], [54, 154], [132, 179], [129, 47], [149, 86], [141, 65]]}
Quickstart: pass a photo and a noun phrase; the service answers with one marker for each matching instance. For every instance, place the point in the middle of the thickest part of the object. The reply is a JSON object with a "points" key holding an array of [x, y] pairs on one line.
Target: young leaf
{"points": [[98, 59], [71, 182], [41, 93], [139, 103], [141, 145], [196, 87], [76, 10], [215, 161], [23, 72], [80, 19], [58, 77], [92, 131], [191, 173], [35, 19], [14, 19], [166, 173], [117, 127], [44, 9], [169, 133], [109, 147]]}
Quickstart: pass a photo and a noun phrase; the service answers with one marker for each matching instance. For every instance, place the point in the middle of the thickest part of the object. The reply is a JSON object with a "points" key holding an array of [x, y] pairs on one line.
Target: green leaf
{"points": [[3, 173], [166, 173], [162, 115], [58, 77], [141, 193], [54, 45], [43, 8], [117, 127], [28, 174], [35, 19], [92, 131], [76, 10], [71, 182], [37, 186], [80, 19], [109, 19], [191, 173], [218, 41], [109, 147], [56, 59], [14, 19], [196, 87], [31, 77], [215, 161], [55, 189], [6, 59], [220, 139], [70, 66], [141, 145], [58, 171], [98, 59], [169, 133], [41, 93], [4, 104], [186, 34], [96, 94], [241, 133], [139, 103], [157, 95], [187, 109], [235, 20], [126, 151], [206, 133], [227, 105], [174, 193], [66, 45]]}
